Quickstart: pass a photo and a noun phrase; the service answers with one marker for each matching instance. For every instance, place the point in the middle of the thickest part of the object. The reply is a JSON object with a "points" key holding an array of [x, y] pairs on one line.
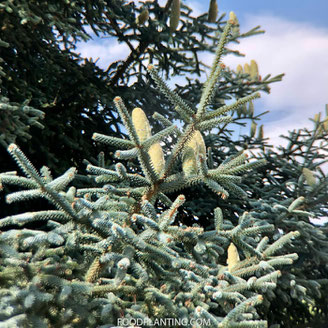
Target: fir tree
{"points": [[76, 95], [140, 240]]}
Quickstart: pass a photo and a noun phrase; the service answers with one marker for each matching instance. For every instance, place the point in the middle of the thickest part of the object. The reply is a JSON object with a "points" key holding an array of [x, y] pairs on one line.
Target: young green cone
{"points": [[143, 17], [213, 11], [175, 15]]}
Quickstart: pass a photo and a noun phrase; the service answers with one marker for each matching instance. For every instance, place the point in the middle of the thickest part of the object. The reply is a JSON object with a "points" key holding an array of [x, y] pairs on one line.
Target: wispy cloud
{"points": [[106, 51], [300, 51]]}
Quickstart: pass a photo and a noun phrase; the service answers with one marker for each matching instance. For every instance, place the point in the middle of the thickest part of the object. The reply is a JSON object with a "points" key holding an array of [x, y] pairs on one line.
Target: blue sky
{"points": [[314, 12]]}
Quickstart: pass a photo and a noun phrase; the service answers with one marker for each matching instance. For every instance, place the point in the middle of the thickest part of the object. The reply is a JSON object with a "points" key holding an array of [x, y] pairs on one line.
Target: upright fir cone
{"points": [[93, 270], [239, 69], [317, 117], [141, 124], [309, 177], [143, 129], [143, 17], [157, 157], [260, 134], [254, 71], [233, 257], [325, 124], [175, 15], [196, 146], [244, 109], [213, 11], [253, 129], [250, 108], [247, 69]]}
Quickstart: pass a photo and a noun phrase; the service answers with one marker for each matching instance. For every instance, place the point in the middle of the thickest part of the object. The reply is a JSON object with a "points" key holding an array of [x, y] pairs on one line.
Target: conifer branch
{"points": [[175, 99], [215, 72], [113, 141], [159, 136], [182, 141], [135, 54], [126, 154], [124, 114], [226, 108], [212, 123]]}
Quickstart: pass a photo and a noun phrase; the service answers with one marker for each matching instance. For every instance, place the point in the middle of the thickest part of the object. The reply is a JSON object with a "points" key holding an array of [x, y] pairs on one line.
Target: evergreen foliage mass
{"points": [[40, 66], [184, 222]]}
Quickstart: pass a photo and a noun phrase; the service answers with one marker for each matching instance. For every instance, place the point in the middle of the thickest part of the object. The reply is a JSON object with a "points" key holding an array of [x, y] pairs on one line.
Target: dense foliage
{"points": [[122, 226]]}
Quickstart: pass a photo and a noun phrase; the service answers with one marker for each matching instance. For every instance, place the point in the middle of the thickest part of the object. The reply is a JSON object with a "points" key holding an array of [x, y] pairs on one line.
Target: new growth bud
{"points": [[233, 18]]}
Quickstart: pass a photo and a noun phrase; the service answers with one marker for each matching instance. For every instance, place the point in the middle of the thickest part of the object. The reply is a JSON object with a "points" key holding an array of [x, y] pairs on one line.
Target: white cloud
{"points": [[197, 7], [107, 50], [300, 51]]}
